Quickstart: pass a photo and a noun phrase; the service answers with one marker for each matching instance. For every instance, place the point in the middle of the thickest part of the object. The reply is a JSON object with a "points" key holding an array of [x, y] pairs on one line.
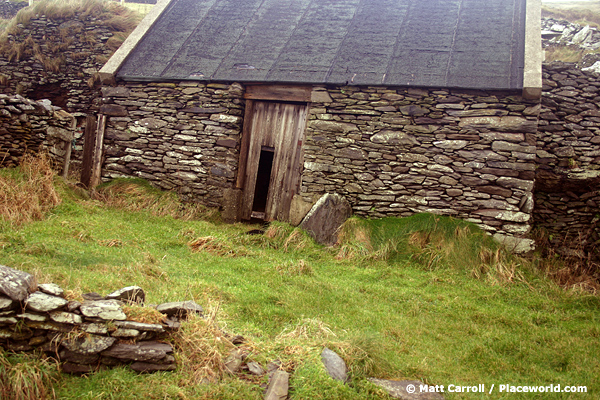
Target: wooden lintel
{"points": [[279, 93]]}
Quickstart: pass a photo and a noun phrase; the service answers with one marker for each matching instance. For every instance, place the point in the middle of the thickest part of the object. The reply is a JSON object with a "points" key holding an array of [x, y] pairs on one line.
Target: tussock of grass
{"points": [[288, 238], [26, 377], [307, 329], [216, 246], [572, 54], [295, 268], [200, 345], [147, 315], [139, 195], [434, 242], [28, 192]]}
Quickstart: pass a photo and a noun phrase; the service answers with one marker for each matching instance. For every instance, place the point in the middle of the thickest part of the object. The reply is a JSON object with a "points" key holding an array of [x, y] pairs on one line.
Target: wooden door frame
{"points": [[278, 94]]}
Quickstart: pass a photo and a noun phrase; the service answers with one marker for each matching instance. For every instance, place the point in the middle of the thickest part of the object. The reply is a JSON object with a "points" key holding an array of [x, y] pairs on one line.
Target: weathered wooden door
{"points": [[273, 142]]}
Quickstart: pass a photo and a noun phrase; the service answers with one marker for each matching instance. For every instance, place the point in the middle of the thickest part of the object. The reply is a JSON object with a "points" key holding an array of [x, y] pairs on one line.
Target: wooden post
{"points": [[97, 160], [88, 150], [69, 148]]}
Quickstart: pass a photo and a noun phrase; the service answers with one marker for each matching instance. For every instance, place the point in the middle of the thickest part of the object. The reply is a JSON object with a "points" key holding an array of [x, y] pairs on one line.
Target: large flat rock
{"points": [[16, 284]]}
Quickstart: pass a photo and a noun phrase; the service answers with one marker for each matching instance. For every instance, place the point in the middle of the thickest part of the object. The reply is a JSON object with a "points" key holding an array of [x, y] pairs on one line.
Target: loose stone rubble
{"points": [[84, 337]]}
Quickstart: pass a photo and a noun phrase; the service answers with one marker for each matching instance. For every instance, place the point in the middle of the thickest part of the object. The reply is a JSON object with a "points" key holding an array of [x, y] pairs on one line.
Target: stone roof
{"points": [[436, 43]]}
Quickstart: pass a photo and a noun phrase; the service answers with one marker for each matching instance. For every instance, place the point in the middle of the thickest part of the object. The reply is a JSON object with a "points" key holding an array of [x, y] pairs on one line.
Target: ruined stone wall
{"points": [[27, 125], [57, 59], [568, 158], [182, 137]]}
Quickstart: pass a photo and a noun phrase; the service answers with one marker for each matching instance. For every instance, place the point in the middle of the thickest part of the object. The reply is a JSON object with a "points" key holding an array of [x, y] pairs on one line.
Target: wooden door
{"points": [[277, 128]]}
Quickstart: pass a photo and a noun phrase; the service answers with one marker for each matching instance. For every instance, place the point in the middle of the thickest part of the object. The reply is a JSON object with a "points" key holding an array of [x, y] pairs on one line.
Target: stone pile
{"points": [[566, 33], [85, 336], [27, 125], [568, 160]]}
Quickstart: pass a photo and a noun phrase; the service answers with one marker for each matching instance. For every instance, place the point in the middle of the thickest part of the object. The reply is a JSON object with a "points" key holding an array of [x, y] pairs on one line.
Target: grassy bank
{"points": [[425, 297]]}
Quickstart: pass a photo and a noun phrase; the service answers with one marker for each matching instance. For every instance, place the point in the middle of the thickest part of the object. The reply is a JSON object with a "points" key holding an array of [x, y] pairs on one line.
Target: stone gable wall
{"points": [[568, 159]]}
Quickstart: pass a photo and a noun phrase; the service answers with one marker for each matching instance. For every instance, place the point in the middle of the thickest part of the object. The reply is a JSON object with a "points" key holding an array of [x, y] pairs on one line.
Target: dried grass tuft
{"points": [[200, 345], [307, 329], [138, 195], [216, 246], [27, 377], [29, 193], [147, 315]]}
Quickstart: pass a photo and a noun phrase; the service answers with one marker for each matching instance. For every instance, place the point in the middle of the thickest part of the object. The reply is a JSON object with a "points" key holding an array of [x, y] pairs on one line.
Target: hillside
{"points": [[426, 297]]}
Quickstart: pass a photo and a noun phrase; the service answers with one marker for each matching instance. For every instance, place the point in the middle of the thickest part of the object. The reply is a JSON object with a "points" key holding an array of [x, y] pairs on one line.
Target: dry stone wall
{"points": [[89, 335], [182, 137], [568, 159], [27, 125], [388, 151], [56, 59], [470, 154]]}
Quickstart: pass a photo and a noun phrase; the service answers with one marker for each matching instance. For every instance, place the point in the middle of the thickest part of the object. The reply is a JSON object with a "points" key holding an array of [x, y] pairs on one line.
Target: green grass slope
{"points": [[425, 297]]}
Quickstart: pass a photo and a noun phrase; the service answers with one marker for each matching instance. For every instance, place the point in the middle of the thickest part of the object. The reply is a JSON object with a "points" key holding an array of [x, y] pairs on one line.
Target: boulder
{"points": [[16, 284], [326, 217], [335, 366]]}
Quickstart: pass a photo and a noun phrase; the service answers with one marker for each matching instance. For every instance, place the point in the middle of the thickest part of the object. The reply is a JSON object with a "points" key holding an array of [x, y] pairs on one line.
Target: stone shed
{"points": [[401, 106]]}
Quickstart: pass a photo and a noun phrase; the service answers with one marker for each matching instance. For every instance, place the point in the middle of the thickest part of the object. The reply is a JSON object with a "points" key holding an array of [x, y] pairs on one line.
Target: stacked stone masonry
{"points": [[57, 59], [182, 137], [27, 125], [85, 336], [568, 160], [388, 151]]}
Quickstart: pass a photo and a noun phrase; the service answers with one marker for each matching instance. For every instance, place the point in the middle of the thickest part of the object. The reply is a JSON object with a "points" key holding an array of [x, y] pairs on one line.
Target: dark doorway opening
{"points": [[263, 178]]}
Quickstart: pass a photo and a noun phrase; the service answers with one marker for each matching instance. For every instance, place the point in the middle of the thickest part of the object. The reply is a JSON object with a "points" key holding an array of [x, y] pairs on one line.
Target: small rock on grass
{"points": [[255, 368], [233, 362], [335, 366], [180, 309], [401, 390], [278, 386]]}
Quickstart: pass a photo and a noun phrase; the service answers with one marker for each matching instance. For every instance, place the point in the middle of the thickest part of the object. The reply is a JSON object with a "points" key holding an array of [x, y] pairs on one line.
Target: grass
{"points": [[424, 297]]}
